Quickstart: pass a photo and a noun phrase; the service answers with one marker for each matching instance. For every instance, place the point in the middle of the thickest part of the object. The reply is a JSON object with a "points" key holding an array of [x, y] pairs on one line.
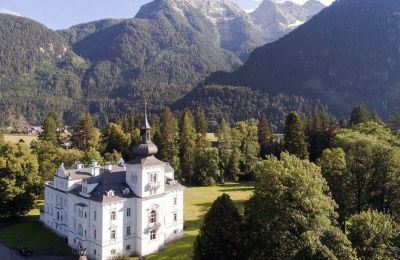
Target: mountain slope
{"points": [[227, 24], [347, 54], [38, 71], [275, 20], [78, 32], [157, 53]]}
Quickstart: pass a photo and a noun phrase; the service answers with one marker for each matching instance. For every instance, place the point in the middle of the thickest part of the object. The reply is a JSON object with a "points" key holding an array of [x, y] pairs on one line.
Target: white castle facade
{"points": [[133, 208]]}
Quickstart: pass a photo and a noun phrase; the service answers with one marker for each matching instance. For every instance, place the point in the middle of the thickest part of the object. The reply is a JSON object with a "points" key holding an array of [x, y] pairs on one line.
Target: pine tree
{"points": [[84, 134], [187, 145], [168, 142], [220, 236], [264, 136], [295, 141], [202, 129], [113, 138], [49, 132], [359, 114]]}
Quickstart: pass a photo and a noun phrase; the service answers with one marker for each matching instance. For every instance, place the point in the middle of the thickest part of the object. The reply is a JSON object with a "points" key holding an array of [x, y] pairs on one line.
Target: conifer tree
{"points": [[202, 129], [264, 136], [187, 145], [359, 114], [84, 134], [220, 236], [113, 138], [168, 141], [49, 132], [294, 140]]}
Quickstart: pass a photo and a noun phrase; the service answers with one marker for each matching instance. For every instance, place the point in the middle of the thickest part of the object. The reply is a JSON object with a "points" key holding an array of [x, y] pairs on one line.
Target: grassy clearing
{"points": [[15, 138], [28, 232], [197, 202]]}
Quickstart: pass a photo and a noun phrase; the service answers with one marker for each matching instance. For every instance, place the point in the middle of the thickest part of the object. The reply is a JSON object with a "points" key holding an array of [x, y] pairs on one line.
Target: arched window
{"points": [[80, 230], [113, 215], [153, 216]]}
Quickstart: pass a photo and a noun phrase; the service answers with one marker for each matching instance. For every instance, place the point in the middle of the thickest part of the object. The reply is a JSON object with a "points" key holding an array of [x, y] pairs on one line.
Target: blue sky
{"points": [[60, 14]]}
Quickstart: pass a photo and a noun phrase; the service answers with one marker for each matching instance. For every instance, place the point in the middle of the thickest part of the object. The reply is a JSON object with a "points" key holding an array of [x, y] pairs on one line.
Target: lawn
{"points": [[197, 202], [28, 232], [15, 138]]}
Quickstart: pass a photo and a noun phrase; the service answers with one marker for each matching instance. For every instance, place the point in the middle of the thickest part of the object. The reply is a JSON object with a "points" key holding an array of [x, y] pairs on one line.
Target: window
{"points": [[94, 215], [128, 230], [153, 177], [175, 200], [152, 234], [128, 247], [94, 252], [134, 178], [113, 252], [85, 214], [94, 233], [153, 216], [112, 234], [113, 215], [128, 212], [58, 215], [80, 230], [175, 216]]}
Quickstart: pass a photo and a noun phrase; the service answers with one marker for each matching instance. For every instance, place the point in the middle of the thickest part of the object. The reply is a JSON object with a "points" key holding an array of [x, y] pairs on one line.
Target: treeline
{"points": [[344, 205]]}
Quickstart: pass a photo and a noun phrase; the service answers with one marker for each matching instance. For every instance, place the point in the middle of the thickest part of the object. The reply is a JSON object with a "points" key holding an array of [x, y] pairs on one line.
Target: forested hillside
{"points": [[38, 71], [345, 55]]}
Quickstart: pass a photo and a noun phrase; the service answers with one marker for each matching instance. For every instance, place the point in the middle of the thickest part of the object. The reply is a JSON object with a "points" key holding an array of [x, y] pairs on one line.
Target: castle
{"points": [[133, 208]]}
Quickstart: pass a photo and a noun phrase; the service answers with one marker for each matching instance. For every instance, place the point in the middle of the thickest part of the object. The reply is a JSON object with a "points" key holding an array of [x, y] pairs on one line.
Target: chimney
{"points": [[79, 165], [108, 166]]}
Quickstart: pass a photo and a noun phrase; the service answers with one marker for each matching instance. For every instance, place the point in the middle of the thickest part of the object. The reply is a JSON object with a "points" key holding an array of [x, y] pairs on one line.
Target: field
{"points": [[15, 138], [197, 202], [29, 233]]}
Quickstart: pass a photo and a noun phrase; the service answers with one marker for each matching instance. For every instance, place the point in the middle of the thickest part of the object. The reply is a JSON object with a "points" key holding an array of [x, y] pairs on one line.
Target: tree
{"points": [[248, 143], [46, 152], [224, 134], [359, 114], [92, 154], [19, 180], [394, 120], [113, 138], [219, 236], [202, 129], [372, 234], [84, 134], [264, 136], [319, 130], [49, 130], [232, 171], [291, 214], [187, 145], [168, 147], [295, 142], [333, 169], [207, 170]]}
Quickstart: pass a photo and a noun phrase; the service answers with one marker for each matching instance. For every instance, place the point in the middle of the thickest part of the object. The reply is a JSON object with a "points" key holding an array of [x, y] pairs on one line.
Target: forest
{"points": [[336, 181]]}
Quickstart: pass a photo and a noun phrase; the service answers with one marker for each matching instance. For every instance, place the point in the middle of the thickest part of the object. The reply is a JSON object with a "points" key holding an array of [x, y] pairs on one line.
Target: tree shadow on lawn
{"points": [[237, 186]]}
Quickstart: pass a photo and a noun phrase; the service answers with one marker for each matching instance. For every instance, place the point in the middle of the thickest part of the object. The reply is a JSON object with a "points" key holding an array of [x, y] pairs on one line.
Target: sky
{"points": [[61, 14]]}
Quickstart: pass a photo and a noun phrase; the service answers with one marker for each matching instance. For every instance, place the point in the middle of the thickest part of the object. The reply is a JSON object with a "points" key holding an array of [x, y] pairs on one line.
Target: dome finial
{"points": [[146, 124]]}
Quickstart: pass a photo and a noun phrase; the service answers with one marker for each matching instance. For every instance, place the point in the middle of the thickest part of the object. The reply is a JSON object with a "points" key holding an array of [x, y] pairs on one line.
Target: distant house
{"points": [[133, 208]]}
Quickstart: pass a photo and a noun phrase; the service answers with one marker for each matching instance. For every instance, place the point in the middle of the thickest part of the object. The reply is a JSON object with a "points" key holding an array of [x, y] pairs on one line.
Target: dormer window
{"points": [[110, 193], [125, 191]]}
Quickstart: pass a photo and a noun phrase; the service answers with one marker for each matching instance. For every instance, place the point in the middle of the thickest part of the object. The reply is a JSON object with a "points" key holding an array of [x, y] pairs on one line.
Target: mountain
{"points": [[160, 53], [231, 27], [346, 55], [79, 32], [276, 19], [38, 71]]}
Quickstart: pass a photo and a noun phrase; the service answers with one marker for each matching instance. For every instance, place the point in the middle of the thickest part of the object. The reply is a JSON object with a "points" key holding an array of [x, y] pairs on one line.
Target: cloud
{"points": [[6, 11]]}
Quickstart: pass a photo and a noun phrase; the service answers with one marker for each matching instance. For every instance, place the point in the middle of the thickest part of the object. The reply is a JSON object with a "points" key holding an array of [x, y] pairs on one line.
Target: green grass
{"points": [[197, 202], [15, 138], [28, 232]]}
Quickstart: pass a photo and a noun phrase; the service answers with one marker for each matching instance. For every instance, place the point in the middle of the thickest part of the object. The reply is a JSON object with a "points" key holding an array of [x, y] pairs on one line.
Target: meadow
{"points": [[15, 138], [27, 232]]}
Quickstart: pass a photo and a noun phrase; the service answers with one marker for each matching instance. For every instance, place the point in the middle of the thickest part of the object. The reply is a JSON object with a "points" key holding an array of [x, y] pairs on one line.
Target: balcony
{"points": [[154, 225], [154, 184]]}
